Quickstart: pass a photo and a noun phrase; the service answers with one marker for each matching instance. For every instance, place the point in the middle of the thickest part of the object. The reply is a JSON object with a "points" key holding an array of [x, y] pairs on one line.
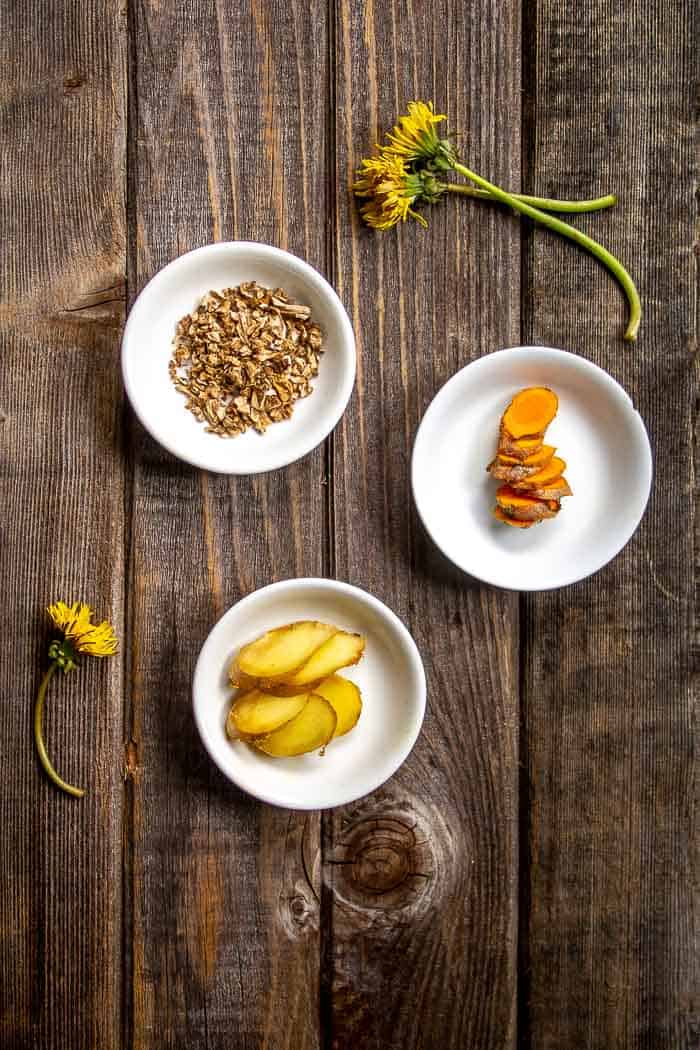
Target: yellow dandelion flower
{"points": [[415, 166], [80, 635], [414, 137], [389, 189], [75, 623]]}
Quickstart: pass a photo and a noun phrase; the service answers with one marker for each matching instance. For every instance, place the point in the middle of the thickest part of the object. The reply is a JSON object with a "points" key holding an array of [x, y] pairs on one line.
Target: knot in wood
{"points": [[382, 862]]}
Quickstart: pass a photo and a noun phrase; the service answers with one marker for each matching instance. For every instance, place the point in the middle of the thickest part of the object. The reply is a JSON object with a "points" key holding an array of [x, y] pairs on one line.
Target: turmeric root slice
{"points": [[519, 448], [512, 473], [530, 412], [554, 469], [552, 490], [508, 468], [522, 506], [499, 513], [535, 459]]}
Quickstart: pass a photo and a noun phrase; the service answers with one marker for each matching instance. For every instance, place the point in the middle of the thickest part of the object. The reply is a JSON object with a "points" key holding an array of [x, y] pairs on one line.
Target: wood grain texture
{"points": [[420, 879], [62, 213], [607, 687], [228, 140]]}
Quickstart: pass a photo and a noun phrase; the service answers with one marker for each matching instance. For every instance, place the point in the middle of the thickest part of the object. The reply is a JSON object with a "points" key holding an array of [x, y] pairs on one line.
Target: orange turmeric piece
{"points": [[554, 469], [499, 513], [535, 459], [522, 506], [530, 412], [534, 475], [507, 468], [553, 490], [519, 448]]}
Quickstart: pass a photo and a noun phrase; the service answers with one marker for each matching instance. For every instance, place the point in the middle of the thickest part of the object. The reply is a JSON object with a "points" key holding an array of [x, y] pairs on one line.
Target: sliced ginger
{"points": [[256, 712], [345, 699], [341, 650], [534, 475], [312, 728], [279, 653], [530, 412], [290, 699]]}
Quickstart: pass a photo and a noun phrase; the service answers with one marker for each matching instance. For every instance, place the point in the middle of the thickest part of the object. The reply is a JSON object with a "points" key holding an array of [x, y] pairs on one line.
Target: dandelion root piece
{"points": [[530, 412], [519, 448], [499, 513], [522, 506]]}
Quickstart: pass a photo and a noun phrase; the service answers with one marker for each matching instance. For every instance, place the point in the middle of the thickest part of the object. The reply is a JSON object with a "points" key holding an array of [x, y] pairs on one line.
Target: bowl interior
{"points": [[596, 431], [148, 343], [390, 676]]}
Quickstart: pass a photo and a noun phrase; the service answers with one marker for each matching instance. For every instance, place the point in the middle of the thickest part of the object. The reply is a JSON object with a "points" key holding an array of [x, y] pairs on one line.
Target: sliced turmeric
{"points": [[552, 490], [507, 468], [535, 459], [520, 448], [499, 513], [530, 412], [522, 506], [534, 474], [554, 469]]}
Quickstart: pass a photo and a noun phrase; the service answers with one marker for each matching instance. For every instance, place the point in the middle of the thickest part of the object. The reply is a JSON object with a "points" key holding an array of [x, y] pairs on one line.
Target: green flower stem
{"points": [[544, 203], [38, 736], [596, 249]]}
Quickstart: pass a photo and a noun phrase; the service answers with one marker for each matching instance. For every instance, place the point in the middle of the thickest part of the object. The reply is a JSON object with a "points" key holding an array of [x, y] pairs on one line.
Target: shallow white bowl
{"points": [[148, 341], [597, 431], [390, 677]]}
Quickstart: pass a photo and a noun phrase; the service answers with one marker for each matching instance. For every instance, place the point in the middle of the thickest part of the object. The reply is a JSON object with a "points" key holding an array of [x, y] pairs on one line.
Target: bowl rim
{"points": [[346, 343], [580, 364], [409, 646]]}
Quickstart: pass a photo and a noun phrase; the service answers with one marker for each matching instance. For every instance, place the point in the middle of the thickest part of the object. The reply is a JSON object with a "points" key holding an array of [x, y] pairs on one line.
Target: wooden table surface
{"points": [[526, 879]]}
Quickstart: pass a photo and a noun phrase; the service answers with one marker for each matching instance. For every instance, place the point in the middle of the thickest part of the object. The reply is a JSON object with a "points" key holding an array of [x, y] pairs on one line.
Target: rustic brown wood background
{"points": [[529, 877]]}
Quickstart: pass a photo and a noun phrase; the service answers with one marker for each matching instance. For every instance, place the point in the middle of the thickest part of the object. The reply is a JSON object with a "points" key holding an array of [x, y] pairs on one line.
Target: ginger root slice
{"points": [[519, 448], [501, 515], [554, 469], [530, 412], [552, 490], [523, 506]]}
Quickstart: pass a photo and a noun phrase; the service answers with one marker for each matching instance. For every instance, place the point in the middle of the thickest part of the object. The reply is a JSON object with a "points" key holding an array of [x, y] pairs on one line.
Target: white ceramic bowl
{"points": [[390, 677], [148, 341], [597, 431]]}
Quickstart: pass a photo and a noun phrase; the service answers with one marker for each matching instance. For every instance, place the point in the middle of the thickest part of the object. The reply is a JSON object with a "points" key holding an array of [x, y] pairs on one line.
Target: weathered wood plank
{"points": [[424, 933], [607, 675], [229, 142], [62, 274]]}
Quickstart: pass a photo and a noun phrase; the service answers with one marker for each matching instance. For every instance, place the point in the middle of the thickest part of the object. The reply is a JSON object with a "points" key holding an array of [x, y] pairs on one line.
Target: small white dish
{"points": [[148, 342], [390, 676], [597, 431]]}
